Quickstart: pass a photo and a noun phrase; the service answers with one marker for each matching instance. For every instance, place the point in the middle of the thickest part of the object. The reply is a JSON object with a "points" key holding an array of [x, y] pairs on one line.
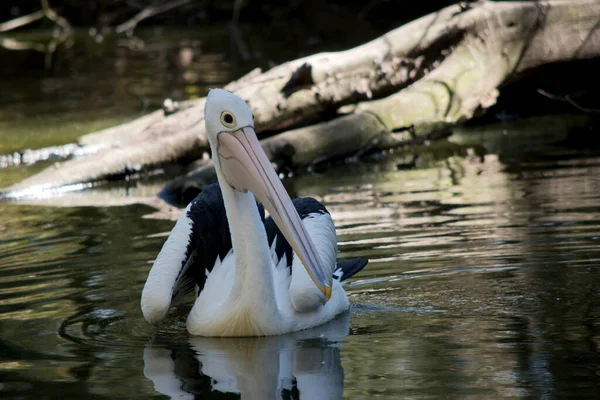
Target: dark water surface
{"points": [[484, 280]]}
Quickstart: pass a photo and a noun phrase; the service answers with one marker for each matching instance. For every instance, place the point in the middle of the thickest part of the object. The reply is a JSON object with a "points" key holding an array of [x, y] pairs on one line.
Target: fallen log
{"points": [[415, 81]]}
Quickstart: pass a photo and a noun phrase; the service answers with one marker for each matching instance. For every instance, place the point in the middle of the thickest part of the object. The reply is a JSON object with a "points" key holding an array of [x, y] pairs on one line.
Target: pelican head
{"points": [[242, 164]]}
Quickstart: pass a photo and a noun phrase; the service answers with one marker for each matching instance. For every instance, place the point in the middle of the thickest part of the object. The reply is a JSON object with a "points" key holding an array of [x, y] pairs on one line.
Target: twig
{"points": [[567, 99], [21, 21], [236, 34], [54, 17], [148, 12]]}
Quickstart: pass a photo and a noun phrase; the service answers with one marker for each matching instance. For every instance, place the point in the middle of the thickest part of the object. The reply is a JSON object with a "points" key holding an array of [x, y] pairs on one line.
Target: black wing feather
{"points": [[350, 267]]}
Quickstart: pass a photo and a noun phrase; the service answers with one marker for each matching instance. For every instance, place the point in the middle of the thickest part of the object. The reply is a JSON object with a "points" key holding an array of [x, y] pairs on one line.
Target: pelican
{"points": [[253, 276]]}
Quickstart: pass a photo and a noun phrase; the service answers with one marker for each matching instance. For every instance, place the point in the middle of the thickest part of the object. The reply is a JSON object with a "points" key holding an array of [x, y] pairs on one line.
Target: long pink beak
{"points": [[246, 167]]}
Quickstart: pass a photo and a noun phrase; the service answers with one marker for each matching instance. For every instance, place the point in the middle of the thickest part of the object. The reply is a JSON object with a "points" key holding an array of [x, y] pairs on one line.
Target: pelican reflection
{"points": [[299, 365]]}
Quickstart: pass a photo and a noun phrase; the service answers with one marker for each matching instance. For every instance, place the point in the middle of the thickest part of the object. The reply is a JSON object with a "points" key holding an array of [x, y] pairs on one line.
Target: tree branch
{"points": [[148, 12], [54, 17], [21, 21]]}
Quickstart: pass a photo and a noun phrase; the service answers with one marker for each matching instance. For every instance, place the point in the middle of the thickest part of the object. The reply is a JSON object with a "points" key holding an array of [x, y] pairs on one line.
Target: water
{"points": [[483, 281]]}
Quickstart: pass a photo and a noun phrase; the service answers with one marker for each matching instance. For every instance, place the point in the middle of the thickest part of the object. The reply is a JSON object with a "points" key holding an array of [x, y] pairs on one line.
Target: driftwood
{"points": [[416, 81], [469, 147]]}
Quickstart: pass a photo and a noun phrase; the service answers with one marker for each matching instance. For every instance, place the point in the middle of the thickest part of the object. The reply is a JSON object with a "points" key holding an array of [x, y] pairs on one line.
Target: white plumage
{"points": [[220, 310], [158, 290]]}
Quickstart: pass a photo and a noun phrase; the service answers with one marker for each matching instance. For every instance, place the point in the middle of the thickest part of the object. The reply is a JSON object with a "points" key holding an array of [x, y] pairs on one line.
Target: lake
{"points": [[484, 273]]}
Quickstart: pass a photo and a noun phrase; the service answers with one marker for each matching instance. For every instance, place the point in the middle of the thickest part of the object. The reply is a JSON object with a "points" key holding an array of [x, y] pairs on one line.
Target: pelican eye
{"points": [[227, 119]]}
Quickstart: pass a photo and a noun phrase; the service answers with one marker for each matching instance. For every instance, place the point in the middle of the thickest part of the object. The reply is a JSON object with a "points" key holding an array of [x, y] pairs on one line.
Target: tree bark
{"points": [[416, 81]]}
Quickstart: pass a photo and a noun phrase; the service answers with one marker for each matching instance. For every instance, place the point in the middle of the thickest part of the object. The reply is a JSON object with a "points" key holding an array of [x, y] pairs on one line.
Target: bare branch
{"points": [[21, 21], [54, 17], [148, 12], [46, 11]]}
